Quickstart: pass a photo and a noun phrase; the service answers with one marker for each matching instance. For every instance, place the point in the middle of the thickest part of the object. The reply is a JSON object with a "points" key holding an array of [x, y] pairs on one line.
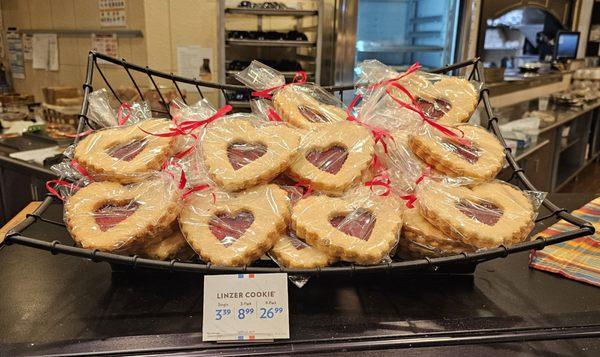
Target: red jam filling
{"points": [[330, 160], [241, 154], [483, 212], [312, 115], [110, 215], [230, 227], [434, 110], [296, 242], [470, 154], [129, 151], [358, 224]]}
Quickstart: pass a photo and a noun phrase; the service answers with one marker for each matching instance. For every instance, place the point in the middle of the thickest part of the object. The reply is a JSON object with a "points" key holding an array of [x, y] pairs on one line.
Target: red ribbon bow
{"points": [[51, 186], [123, 118], [378, 134], [299, 78], [381, 179], [410, 199]]}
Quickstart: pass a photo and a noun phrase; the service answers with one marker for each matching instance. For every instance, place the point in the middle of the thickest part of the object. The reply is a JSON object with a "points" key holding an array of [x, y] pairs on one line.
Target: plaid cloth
{"points": [[577, 259]]}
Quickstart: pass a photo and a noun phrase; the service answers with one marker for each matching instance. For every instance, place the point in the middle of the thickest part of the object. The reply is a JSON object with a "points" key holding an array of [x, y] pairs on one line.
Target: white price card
{"points": [[245, 307]]}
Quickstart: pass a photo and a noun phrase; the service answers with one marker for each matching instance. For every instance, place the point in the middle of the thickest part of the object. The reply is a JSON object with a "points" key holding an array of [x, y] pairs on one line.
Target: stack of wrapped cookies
{"points": [[303, 180]]}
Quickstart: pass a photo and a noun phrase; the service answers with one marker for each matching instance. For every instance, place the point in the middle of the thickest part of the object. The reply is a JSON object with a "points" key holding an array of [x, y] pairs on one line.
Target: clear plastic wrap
{"points": [[470, 151], [334, 157], [300, 104], [443, 99], [112, 217], [106, 113], [484, 216], [361, 227], [241, 151], [234, 229], [291, 252]]}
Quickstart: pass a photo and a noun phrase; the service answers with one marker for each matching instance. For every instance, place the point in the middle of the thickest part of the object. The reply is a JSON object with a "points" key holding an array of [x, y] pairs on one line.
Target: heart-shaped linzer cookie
{"points": [[235, 229], [333, 157], [298, 106], [480, 157], [239, 155], [125, 154], [115, 218], [486, 215], [360, 227]]}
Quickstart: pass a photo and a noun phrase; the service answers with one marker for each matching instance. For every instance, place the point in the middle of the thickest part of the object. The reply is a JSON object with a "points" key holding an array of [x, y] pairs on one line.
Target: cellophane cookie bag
{"points": [[360, 227], [300, 104], [138, 218], [483, 215], [234, 229], [241, 151]]}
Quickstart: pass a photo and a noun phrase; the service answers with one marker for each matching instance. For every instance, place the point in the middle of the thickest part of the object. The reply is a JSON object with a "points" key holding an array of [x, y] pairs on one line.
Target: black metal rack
{"points": [[455, 262]]}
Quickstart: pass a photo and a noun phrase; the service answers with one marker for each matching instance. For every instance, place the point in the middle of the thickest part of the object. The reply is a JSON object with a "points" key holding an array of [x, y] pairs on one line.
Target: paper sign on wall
{"points": [[245, 307], [45, 51], [194, 62], [106, 43], [15, 54], [112, 13], [27, 46]]}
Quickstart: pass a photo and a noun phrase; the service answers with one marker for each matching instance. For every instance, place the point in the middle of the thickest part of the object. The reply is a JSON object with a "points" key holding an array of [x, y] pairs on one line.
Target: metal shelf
{"points": [[270, 43], [271, 12], [287, 74], [363, 46], [83, 33]]}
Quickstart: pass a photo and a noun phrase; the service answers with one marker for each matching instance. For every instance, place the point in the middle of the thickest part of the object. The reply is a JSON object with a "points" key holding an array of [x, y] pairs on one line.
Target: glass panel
{"points": [[398, 33]]}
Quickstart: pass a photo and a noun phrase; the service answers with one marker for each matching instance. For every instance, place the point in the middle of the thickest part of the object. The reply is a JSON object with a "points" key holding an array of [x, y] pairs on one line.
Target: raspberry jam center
{"points": [[112, 214], [330, 160], [241, 154], [434, 110], [230, 227], [312, 115], [129, 151], [469, 153], [483, 211], [358, 224]]}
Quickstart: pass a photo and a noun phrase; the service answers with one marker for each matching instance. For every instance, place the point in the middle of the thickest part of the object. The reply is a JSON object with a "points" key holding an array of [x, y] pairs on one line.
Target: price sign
{"points": [[245, 307]]}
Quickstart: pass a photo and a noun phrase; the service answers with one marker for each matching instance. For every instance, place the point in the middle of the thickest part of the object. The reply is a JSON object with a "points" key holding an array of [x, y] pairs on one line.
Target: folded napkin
{"points": [[577, 259]]}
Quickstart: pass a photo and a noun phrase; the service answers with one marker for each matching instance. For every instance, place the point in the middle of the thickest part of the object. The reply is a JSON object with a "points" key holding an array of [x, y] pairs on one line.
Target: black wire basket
{"points": [[461, 263]]}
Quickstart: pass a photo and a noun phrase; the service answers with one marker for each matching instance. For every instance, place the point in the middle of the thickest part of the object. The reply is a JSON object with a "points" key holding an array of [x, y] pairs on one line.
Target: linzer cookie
{"points": [[299, 108], [444, 99], [125, 154], [488, 215], [333, 157], [235, 229], [360, 227], [239, 155], [115, 218], [291, 252], [421, 238], [172, 246], [479, 156]]}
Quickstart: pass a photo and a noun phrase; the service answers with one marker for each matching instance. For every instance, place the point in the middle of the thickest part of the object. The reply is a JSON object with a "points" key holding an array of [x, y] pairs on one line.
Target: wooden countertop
{"points": [[32, 206]]}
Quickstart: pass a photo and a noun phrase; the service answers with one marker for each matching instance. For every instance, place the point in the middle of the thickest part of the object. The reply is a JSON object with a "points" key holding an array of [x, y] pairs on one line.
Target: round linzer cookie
{"points": [[481, 157], [333, 157], [449, 100], [125, 154], [487, 215], [302, 110], [360, 227], [235, 229], [291, 252], [239, 155], [421, 237], [115, 218]]}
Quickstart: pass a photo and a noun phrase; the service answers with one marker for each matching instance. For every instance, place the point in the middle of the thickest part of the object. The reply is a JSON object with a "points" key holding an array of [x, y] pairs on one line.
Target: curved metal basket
{"points": [[475, 71]]}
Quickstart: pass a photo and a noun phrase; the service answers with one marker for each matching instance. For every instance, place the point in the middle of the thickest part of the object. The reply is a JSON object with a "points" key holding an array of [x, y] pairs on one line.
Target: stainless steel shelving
{"points": [[308, 52]]}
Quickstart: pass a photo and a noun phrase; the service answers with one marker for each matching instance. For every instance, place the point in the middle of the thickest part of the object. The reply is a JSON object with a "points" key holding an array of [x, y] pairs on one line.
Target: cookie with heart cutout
{"points": [[299, 108], [115, 218], [238, 154], [125, 154], [446, 100], [421, 238], [234, 229], [484, 216], [291, 252], [360, 227], [479, 156], [171, 245], [333, 157]]}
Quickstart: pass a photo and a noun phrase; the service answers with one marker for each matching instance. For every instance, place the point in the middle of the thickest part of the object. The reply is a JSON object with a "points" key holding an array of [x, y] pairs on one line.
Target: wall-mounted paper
{"points": [[45, 51]]}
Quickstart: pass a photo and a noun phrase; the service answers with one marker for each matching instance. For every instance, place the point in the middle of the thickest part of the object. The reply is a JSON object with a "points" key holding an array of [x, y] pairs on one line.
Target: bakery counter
{"points": [[568, 142], [524, 82], [58, 304]]}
